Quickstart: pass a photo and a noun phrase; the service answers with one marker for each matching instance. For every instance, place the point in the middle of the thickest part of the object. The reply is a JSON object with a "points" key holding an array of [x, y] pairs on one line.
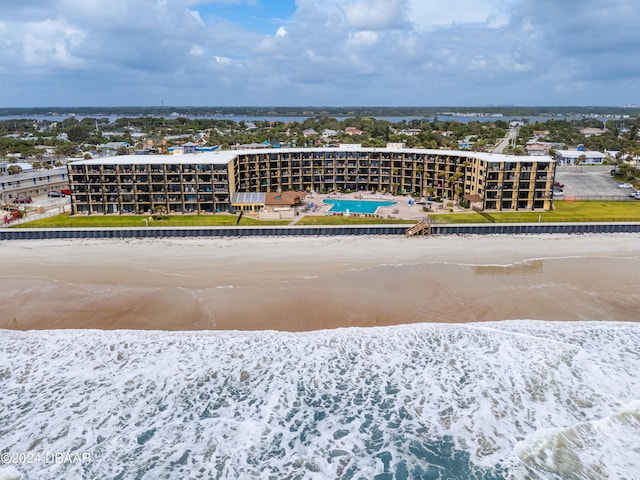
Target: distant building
{"points": [[328, 133], [592, 132], [542, 148], [111, 148], [188, 147], [569, 157], [32, 183]]}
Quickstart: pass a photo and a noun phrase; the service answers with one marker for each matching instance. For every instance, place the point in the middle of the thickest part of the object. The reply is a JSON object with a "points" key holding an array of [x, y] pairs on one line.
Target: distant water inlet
{"points": [[357, 206]]}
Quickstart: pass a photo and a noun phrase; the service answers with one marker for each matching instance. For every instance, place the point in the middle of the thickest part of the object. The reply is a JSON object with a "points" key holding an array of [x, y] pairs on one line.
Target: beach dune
{"points": [[310, 283]]}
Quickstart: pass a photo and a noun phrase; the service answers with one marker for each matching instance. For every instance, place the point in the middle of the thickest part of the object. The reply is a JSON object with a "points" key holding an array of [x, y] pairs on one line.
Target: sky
{"points": [[319, 53]]}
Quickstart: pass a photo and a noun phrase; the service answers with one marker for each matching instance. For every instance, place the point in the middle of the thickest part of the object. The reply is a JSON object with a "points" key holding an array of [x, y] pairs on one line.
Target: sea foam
{"points": [[518, 399]]}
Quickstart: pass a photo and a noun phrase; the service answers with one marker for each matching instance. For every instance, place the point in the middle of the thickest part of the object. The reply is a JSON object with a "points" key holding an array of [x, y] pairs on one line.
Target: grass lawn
{"points": [[564, 211], [338, 220], [101, 221]]}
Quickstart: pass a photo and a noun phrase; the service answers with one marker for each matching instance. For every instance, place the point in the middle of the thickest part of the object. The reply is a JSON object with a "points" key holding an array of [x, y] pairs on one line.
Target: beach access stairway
{"points": [[423, 227]]}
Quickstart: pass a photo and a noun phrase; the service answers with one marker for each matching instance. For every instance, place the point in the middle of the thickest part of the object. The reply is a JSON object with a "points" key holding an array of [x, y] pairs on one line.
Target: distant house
{"points": [[185, 148], [536, 148], [252, 146], [309, 132], [411, 132], [541, 133], [111, 148], [569, 157], [353, 131], [328, 133], [592, 132], [154, 144]]}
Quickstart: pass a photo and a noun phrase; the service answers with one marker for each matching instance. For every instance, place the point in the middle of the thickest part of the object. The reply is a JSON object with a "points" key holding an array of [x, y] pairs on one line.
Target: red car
{"points": [[558, 185], [23, 200]]}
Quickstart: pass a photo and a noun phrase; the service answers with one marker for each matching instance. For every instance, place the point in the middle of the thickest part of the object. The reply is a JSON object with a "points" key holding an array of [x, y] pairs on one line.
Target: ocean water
{"points": [[499, 400]]}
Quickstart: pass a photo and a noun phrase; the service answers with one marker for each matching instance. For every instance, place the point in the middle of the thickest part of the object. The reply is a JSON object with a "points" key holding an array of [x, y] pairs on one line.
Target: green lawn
{"points": [[100, 221], [339, 220], [564, 211]]}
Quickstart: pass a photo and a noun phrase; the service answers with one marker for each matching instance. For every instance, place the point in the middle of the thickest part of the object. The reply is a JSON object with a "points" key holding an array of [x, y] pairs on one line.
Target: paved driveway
{"points": [[589, 181]]}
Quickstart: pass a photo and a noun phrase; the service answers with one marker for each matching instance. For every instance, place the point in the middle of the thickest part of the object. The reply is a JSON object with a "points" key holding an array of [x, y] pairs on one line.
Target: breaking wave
{"points": [[498, 400]]}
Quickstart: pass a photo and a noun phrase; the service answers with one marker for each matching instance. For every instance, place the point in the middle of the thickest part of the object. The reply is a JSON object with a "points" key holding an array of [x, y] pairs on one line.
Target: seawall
{"points": [[461, 229]]}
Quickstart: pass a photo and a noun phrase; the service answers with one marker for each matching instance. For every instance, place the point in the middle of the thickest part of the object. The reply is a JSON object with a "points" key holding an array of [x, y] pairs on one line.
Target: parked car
{"points": [[65, 191], [558, 193], [558, 185], [23, 200], [625, 185], [55, 194]]}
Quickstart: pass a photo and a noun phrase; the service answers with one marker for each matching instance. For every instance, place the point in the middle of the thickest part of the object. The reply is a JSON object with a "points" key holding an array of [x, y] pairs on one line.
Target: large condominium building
{"points": [[203, 183]]}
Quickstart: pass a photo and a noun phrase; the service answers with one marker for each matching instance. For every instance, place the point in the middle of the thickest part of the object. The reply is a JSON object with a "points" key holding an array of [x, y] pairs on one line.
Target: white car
{"points": [[558, 193], [625, 185]]}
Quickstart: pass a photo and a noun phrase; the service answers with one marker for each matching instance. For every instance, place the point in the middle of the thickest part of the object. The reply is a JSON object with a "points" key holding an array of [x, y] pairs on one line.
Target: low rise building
{"points": [[206, 182], [32, 183], [587, 157]]}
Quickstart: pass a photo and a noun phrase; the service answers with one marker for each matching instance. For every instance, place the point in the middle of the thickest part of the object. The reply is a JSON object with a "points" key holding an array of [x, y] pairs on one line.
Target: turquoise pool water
{"points": [[357, 206]]}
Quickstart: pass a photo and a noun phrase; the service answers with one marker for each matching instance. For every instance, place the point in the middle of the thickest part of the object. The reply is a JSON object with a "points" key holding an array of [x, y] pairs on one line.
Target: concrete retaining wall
{"points": [[475, 229]]}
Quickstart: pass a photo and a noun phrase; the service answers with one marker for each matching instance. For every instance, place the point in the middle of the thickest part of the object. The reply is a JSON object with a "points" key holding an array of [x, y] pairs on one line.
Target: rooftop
{"points": [[223, 157]]}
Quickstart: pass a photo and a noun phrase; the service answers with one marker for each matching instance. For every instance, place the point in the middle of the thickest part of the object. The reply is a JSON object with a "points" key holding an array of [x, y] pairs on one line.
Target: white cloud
{"points": [[427, 15], [362, 39], [327, 52], [373, 14], [51, 42], [196, 51]]}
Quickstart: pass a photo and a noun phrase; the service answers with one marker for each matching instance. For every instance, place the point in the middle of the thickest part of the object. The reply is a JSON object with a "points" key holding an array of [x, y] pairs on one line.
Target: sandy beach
{"points": [[301, 284]]}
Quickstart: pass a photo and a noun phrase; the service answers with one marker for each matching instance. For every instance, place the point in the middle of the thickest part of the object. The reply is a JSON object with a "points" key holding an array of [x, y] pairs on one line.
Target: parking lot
{"points": [[590, 183]]}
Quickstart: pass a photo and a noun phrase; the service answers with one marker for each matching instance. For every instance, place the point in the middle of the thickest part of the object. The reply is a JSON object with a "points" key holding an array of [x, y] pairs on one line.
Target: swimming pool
{"points": [[357, 206]]}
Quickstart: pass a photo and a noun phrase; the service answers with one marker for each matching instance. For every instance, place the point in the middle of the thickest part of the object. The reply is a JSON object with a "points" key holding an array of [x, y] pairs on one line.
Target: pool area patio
{"points": [[386, 206]]}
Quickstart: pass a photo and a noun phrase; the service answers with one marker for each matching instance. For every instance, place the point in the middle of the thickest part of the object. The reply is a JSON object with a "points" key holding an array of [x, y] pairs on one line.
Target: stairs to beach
{"points": [[421, 228]]}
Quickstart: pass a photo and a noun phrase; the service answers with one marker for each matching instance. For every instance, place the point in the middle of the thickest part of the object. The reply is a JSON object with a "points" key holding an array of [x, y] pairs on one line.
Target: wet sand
{"points": [[300, 284]]}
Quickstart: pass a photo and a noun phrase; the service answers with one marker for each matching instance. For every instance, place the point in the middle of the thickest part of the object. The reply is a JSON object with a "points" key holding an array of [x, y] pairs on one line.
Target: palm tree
{"points": [[580, 161], [420, 170]]}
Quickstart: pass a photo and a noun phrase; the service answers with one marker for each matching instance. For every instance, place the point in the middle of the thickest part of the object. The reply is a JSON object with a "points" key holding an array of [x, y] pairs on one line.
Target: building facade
{"points": [[32, 183], [203, 183], [586, 157]]}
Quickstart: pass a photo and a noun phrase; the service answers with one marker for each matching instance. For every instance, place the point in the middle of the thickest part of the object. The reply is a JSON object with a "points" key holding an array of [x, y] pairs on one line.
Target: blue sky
{"points": [[319, 52]]}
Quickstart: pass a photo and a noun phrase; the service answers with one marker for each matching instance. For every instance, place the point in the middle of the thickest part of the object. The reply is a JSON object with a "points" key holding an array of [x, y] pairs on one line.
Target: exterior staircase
{"points": [[423, 227]]}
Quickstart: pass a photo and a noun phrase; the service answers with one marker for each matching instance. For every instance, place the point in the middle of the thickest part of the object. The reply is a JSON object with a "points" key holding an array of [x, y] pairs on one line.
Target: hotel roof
{"points": [[223, 157]]}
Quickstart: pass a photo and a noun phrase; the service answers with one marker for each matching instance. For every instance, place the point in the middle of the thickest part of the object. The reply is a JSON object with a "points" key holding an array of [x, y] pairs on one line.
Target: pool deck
{"points": [[401, 210]]}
